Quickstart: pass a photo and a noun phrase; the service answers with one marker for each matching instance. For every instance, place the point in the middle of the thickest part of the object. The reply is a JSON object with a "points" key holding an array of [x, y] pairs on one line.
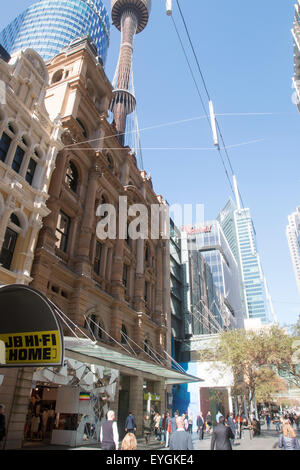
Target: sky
{"points": [[245, 50]]}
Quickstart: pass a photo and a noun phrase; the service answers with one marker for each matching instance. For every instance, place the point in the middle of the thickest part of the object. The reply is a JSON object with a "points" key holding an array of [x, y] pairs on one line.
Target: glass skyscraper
{"points": [[293, 236], [48, 26], [239, 230], [214, 247]]}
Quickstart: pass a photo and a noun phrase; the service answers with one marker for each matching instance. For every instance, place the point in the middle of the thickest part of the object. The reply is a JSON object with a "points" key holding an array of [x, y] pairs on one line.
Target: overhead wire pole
{"points": [[210, 101]]}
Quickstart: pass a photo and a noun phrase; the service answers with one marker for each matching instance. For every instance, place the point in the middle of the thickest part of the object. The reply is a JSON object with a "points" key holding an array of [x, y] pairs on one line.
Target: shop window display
{"points": [[69, 403]]}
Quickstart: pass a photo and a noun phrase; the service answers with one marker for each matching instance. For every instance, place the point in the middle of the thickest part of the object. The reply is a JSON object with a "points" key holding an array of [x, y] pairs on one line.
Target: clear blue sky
{"points": [[246, 53]]}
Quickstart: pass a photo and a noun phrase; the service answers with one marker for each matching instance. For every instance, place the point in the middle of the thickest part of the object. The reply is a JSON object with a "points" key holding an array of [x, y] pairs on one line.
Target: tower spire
{"points": [[130, 17], [236, 193]]}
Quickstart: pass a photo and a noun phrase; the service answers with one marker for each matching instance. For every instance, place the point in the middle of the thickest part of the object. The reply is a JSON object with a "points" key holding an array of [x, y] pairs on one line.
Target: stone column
{"points": [[160, 389], [139, 290], [88, 218], [136, 397], [83, 263], [15, 395]]}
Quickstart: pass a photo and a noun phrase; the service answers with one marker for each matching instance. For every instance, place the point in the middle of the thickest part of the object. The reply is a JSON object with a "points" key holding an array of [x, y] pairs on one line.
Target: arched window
{"points": [[95, 325], [4, 146], [97, 258], [110, 162], [72, 177], [124, 334], [84, 131], [58, 75], [6, 140], [147, 255], [147, 347]]}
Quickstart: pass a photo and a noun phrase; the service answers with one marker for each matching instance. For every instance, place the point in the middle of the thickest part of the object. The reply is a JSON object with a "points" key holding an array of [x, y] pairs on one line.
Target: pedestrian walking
{"points": [[268, 421], [277, 423], [2, 423], [221, 436], [157, 424], [173, 422], [288, 439], [190, 423], [164, 426], [109, 435], [200, 426], [147, 428], [208, 421], [130, 425], [255, 426], [129, 442], [179, 439], [231, 424], [186, 423], [218, 416], [168, 429]]}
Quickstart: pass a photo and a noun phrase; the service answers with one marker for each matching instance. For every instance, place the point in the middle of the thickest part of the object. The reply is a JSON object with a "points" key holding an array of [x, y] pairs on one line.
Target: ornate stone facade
{"points": [[29, 142], [115, 288]]}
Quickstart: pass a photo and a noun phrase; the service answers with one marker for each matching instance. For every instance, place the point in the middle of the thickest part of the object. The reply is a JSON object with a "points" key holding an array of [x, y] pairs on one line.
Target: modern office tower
{"points": [[130, 17], [239, 230], [48, 26], [177, 289], [296, 36], [211, 242], [203, 302], [293, 236]]}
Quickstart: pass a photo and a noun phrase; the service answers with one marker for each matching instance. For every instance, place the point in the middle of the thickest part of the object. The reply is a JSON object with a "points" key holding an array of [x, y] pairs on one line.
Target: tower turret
{"points": [[130, 17]]}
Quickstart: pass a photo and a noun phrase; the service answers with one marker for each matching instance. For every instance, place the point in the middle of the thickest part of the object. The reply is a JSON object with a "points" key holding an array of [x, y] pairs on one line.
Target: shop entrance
{"points": [[123, 406], [40, 418]]}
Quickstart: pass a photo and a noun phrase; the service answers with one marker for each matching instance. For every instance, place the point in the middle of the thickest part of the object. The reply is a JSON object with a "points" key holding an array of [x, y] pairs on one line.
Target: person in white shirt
{"points": [[109, 435]]}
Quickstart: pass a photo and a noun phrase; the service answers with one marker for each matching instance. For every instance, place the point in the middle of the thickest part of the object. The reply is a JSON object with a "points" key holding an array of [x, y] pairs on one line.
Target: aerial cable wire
{"points": [[201, 99]]}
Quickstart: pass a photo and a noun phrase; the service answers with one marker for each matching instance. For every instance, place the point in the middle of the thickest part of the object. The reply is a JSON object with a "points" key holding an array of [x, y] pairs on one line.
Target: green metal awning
{"points": [[89, 348]]}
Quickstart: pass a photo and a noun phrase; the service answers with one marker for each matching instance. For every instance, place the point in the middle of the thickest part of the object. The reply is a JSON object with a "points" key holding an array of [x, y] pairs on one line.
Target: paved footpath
{"points": [[268, 440]]}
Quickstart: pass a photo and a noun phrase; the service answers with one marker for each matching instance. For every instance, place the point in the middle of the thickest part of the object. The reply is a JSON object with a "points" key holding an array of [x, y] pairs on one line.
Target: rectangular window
{"points": [[97, 260], [62, 231], [30, 171], [18, 158], [125, 275], [8, 248], [4, 146]]}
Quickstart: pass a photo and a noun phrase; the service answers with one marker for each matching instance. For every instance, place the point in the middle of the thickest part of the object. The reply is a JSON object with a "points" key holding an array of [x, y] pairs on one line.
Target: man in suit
{"points": [[200, 426], [221, 436], [180, 440]]}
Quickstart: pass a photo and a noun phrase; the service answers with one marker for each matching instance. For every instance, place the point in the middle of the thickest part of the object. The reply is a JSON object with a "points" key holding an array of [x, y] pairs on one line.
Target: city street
{"points": [[266, 441]]}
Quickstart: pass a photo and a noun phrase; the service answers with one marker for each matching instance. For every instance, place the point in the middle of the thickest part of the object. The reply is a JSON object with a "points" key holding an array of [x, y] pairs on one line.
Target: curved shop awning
{"points": [[89, 348]]}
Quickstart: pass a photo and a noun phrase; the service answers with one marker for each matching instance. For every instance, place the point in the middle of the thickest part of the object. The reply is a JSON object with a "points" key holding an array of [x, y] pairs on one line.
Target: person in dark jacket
{"points": [[221, 436], [130, 425], [180, 440], [200, 426], [2, 423]]}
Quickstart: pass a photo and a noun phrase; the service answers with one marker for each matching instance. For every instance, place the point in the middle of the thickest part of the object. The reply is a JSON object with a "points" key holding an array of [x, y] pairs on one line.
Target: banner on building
{"points": [[29, 328]]}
